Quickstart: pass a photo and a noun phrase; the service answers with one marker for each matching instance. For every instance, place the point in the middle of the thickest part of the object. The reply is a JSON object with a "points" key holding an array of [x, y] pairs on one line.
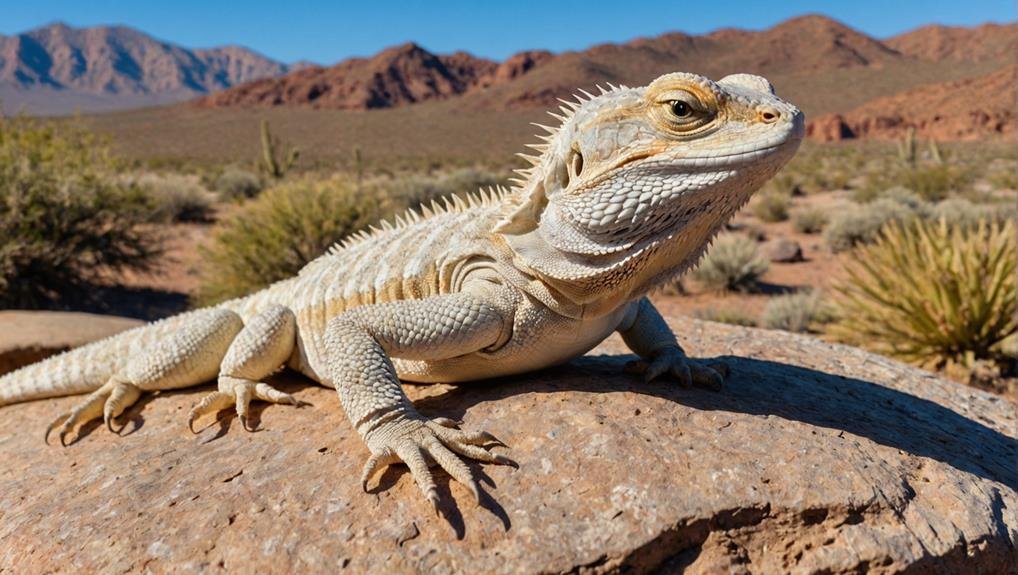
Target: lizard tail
{"points": [[80, 370], [87, 368]]}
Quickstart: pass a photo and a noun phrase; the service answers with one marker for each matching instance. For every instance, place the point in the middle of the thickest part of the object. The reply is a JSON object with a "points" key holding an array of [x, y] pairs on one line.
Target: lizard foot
{"points": [[109, 401], [237, 392], [673, 361], [414, 440]]}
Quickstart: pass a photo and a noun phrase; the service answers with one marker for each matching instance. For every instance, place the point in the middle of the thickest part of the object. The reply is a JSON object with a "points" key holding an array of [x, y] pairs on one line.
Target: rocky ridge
{"points": [[970, 109]]}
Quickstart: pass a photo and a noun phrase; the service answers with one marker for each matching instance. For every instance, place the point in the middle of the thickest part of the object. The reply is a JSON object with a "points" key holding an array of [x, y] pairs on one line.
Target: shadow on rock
{"points": [[759, 387]]}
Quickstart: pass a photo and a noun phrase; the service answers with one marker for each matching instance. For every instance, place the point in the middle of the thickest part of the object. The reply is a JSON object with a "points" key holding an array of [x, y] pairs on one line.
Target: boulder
{"points": [[28, 336], [783, 250], [814, 458]]}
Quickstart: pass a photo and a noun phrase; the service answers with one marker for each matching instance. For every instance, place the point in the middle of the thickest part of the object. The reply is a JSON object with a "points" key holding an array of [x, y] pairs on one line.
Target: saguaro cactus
{"points": [[276, 162]]}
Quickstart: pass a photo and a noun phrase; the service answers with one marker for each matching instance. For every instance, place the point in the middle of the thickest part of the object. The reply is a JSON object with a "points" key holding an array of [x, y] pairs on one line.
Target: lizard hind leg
{"points": [[265, 343], [186, 355]]}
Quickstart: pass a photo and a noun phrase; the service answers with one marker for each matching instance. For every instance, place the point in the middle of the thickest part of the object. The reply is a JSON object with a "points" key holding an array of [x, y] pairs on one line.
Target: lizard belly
{"points": [[540, 339]]}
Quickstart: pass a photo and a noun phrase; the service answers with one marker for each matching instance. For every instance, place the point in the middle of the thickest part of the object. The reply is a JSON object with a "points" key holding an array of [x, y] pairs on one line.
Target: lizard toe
{"points": [[238, 393], [122, 396], [89, 409]]}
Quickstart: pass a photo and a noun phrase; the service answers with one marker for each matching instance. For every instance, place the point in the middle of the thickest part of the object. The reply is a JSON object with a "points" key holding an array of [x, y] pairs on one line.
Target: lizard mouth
{"points": [[745, 154]]}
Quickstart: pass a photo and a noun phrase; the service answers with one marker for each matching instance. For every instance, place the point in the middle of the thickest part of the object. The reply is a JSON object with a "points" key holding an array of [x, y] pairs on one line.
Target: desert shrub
{"points": [[961, 212], [731, 264], [727, 315], [908, 199], [1005, 179], [933, 294], [772, 206], [810, 221], [238, 184], [933, 183], [64, 219], [410, 191], [798, 312], [278, 233], [177, 197], [861, 224]]}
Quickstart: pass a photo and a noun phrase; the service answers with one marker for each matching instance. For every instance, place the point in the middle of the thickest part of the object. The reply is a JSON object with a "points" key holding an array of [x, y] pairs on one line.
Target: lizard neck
{"points": [[601, 282]]}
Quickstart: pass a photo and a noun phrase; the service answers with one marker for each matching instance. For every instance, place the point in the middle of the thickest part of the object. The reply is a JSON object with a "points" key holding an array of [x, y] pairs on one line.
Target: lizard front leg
{"points": [[359, 343], [646, 333]]}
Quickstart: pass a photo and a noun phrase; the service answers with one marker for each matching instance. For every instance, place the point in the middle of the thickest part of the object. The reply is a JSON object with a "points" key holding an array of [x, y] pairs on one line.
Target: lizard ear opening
{"points": [[524, 217]]}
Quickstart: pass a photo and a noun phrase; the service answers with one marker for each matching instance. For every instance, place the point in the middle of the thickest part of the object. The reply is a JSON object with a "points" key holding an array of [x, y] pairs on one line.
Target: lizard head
{"points": [[639, 171]]}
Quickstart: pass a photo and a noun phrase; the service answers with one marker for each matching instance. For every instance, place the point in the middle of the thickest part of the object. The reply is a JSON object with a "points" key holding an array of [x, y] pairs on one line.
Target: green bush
{"points": [[411, 191], [278, 233], [177, 197], [238, 184], [798, 312], [772, 206], [727, 315], [810, 221], [961, 212], [64, 219], [731, 264], [858, 225], [1004, 179], [933, 294], [932, 183]]}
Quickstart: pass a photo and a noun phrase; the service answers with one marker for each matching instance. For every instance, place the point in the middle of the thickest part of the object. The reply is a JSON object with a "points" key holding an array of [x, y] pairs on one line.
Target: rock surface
{"points": [[783, 250], [28, 336], [814, 458]]}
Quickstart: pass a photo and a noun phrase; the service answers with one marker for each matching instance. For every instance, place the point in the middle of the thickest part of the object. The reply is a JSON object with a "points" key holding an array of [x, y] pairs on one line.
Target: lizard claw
{"points": [[107, 402], [673, 361], [239, 393], [415, 441]]}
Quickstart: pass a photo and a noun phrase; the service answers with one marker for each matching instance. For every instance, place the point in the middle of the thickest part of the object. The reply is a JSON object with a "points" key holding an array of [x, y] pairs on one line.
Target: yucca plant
{"points": [[933, 294]]}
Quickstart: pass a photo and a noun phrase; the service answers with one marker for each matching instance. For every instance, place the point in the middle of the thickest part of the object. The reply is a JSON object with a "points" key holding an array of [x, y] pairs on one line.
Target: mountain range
{"points": [[948, 82], [57, 69]]}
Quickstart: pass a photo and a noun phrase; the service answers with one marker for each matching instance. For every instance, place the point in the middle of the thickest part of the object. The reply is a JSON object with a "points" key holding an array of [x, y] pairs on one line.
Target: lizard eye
{"points": [[681, 109]]}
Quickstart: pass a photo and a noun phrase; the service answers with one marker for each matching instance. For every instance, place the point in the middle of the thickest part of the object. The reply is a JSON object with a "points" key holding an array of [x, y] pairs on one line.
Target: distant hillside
{"points": [[820, 64], [398, 76], [967, 109], [409, 74], [56, 69], [935, 42]]}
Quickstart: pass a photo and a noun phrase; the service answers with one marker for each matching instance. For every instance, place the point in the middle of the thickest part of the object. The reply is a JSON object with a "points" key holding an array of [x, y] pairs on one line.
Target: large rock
{"points": [[814, 458], [28, 336]]}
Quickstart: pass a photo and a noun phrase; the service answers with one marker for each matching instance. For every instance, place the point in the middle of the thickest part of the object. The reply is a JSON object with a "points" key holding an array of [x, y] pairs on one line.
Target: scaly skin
{"points": [[624, 195]]}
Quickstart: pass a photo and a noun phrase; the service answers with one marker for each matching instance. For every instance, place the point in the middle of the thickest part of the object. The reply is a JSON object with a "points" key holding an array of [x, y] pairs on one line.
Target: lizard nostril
{"points": [[769, 115]]}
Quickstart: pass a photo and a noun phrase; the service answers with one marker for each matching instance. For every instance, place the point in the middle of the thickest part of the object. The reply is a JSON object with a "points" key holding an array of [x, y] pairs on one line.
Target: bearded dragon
{"points": [[623, 195]]}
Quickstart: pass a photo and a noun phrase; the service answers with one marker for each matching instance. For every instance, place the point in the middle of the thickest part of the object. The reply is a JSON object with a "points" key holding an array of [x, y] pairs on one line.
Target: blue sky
{"points": [[326, 32]]}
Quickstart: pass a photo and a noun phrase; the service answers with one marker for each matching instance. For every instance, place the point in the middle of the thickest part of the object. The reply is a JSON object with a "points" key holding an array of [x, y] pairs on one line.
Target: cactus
{"points": [[275, 163], [906, 148], [935, 154], [358, 161]]}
